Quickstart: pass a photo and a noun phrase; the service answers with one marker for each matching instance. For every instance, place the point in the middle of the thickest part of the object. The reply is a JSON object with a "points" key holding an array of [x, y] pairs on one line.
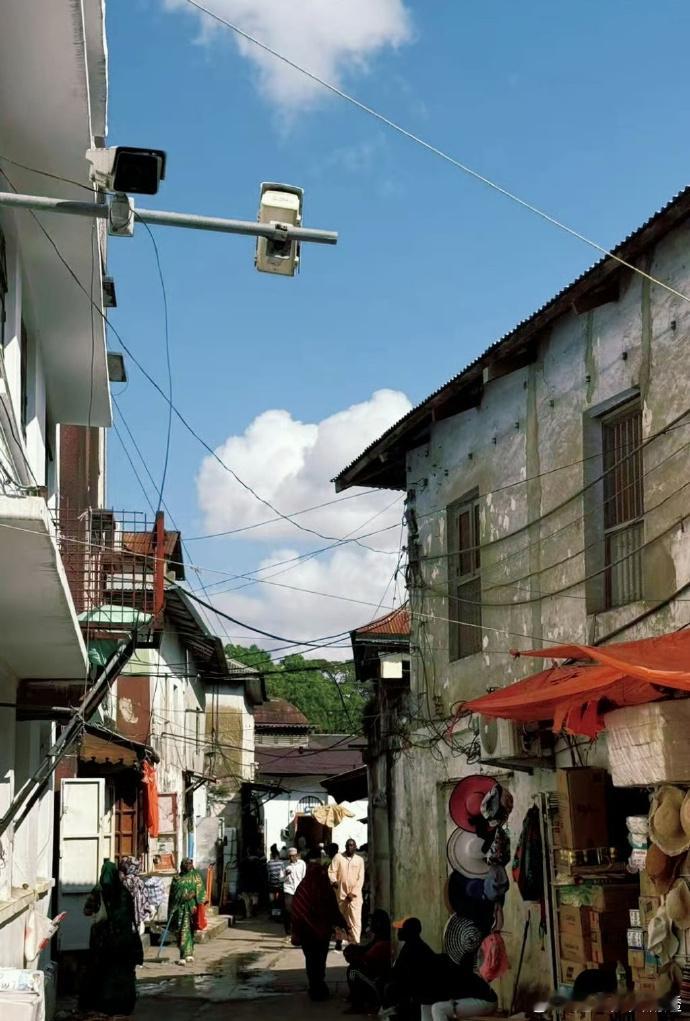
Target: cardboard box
{"points": [[636, 959], [608, 922], [569, 971], [651, 963], [646, 985], [582, 807], [618, 897], [636, 938], [608, 953], [635, 918], [574, 920], [575, 948], [648, 908]]}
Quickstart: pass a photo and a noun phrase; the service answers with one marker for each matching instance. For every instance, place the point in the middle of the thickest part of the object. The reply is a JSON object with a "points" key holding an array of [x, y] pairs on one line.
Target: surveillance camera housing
{"points": [[279, 204], [126, 169]]}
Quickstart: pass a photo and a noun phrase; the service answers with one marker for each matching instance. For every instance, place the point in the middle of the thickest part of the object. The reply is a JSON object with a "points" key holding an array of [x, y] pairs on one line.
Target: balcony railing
{"points": [[115, 563]]}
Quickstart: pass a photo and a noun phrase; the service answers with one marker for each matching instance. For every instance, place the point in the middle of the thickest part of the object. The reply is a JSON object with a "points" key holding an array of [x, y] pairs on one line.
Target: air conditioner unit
{"points": [[504, 741], [498, 739]]}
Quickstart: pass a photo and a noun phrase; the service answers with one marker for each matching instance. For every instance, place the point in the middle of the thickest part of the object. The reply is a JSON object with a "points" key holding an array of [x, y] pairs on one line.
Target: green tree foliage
{"points": [[326, 691]]}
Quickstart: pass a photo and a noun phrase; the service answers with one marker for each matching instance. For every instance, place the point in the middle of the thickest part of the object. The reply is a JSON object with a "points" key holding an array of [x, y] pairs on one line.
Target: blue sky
{"points": [[582, 108]]}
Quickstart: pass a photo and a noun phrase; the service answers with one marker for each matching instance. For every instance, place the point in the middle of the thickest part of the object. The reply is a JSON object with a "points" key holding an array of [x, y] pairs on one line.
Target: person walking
{"points": [[275, 870], [346, 873], [187, 893], [130, 874], [115, 950], [295, 871], [315, 914]]}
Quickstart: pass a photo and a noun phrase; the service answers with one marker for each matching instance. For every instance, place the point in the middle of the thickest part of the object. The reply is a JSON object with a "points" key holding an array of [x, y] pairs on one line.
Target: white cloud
{"points": [[328, 37], [290, 464], [291, 612]]}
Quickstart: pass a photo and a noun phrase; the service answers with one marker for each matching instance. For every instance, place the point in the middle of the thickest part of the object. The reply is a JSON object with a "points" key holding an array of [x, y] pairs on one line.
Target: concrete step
{"points": [[216, 925]]}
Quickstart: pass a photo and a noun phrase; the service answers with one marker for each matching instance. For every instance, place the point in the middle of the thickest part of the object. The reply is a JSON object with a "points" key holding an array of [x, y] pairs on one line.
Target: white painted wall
{"points": [[280, 811]]}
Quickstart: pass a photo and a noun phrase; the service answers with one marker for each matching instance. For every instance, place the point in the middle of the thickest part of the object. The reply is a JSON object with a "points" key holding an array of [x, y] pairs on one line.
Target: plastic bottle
{"points": [[621, 979]]}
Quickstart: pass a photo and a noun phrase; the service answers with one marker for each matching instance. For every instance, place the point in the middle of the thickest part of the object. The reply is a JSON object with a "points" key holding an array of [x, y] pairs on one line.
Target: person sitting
{"points": [[458, 991], [414, 967], [370, 964], [593, 982]]}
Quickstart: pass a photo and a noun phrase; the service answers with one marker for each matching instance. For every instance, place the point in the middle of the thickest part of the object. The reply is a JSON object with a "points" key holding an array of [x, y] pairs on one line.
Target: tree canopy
{"points": [[326, 691]]}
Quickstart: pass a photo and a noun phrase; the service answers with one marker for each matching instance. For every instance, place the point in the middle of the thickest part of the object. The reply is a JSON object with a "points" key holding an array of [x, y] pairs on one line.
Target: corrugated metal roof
{"points": [[397, 622], [627, 249]]}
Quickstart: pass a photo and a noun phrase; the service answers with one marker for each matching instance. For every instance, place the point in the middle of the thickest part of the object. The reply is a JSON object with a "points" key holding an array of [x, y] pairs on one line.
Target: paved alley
{"points": [[248, 967]]}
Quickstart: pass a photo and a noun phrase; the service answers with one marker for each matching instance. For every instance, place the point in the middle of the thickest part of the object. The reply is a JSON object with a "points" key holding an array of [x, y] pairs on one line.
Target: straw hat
{"points": [[665, 827], [685, 814], [678, 904], [661, 868], [660, 938]]}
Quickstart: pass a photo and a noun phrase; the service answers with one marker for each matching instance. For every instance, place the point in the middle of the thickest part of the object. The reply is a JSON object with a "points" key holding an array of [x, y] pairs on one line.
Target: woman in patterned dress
{"points": [[187, 892]]}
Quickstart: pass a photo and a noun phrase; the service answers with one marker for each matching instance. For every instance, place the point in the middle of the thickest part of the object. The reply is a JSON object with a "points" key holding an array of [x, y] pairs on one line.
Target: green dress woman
{"points": [[187, 892], [115, 948]]}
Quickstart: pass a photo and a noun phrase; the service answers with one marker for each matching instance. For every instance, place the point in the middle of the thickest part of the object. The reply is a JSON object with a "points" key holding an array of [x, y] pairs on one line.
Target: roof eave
{"points": [[383, 464]]}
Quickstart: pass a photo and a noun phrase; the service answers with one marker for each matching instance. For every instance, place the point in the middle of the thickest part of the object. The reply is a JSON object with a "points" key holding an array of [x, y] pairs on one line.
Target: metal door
{"points": [[82, 847]]}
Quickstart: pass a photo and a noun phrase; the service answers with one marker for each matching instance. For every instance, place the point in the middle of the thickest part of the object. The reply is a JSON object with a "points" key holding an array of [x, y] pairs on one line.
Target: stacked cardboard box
{"points": [[643, 964], [583, 821], [595, 935]]}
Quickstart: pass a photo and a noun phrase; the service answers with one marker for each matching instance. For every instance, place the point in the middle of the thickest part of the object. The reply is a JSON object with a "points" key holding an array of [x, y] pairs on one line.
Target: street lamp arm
{"points": [[161, 218]]}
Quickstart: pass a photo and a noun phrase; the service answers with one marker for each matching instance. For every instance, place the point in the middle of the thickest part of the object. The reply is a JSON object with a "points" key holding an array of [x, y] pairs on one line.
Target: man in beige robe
{"points": [[346, 873]]}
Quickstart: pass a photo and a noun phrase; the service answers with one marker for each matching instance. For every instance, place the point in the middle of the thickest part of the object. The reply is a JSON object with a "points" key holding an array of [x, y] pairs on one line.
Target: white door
{"points": [[82, 849]]}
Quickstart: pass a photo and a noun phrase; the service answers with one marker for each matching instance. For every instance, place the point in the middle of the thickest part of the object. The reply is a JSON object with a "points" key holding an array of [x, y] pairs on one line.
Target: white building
{"points": [[53, 373], [293, 766]]}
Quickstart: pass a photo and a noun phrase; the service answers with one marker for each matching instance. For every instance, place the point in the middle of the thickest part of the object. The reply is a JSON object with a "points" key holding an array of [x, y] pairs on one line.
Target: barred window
{"points": [[464, 578], [623, 505]]}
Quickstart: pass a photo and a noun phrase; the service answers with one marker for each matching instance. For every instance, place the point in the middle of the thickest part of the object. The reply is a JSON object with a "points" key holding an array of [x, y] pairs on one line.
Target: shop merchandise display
{"points": [[478, 851]]}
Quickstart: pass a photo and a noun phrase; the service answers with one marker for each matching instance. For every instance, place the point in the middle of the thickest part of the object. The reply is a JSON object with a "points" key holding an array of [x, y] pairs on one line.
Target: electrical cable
{"points": [[168, 360], [175, 410], [530, 207]]}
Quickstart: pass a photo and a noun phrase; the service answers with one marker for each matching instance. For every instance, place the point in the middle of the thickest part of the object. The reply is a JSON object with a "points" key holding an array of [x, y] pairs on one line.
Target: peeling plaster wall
{"points": [[531, 422]]}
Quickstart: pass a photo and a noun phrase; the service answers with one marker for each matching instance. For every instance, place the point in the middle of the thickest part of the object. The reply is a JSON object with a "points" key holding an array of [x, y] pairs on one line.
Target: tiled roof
{"points": [[397, 622], [278, 714], [413, 424]]}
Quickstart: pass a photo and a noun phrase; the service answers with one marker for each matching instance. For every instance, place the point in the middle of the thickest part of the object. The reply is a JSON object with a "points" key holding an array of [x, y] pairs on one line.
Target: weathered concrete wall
{"points": [[532, 425]]}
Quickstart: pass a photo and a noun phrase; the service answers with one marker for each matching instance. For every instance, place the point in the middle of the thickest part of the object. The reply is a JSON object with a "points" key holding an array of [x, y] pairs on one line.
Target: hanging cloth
{"points": [[148, 778], [528, 864]]}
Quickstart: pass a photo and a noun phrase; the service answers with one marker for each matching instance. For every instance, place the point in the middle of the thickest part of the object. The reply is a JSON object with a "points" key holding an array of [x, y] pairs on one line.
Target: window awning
{"points": [[574, 696]]}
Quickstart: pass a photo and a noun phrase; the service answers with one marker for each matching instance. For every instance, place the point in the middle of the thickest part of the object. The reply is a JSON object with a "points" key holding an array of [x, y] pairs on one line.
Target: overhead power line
{"points": [[435, 150], [175, 410]]}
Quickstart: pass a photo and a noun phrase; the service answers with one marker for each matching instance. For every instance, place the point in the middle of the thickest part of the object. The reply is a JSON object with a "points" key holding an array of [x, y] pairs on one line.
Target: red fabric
{"points": [[148, 779], [572, 697], [199, 921]]}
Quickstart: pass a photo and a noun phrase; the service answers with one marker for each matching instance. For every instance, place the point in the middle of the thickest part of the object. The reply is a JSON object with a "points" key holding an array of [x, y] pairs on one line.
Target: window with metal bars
{"points": [[623, 495], [464, 578]]}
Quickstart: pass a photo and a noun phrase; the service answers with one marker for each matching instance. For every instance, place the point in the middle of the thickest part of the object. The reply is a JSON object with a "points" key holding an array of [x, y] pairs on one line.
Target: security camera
{"points": [[124, 169], [280, 205]]}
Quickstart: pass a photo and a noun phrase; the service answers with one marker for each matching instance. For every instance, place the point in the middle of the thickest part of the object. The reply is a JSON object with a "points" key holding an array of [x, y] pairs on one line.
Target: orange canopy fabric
{"points": [[572, 696]]}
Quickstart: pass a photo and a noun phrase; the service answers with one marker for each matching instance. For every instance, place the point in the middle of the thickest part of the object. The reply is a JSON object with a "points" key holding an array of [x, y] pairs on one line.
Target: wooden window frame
{"points": [[464, 577], [622, 504]]}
